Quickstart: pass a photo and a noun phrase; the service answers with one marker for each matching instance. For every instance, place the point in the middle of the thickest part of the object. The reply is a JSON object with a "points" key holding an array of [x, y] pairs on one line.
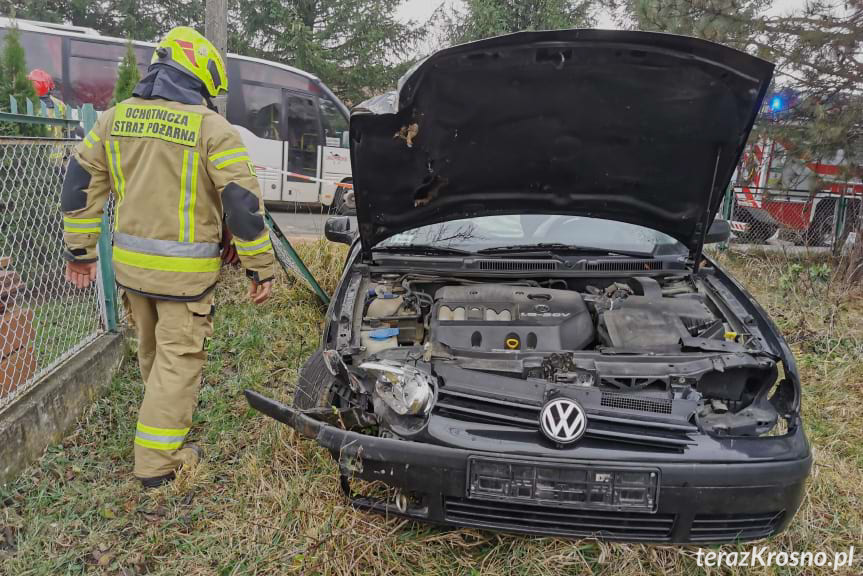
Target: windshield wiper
{"points": [[564, 248], [422, 249]]}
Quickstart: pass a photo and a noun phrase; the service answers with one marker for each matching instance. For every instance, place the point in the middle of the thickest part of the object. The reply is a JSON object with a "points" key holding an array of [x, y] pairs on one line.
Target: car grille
{"points": [[630, 402], [726, 527], [546, 519], [619, 427]]}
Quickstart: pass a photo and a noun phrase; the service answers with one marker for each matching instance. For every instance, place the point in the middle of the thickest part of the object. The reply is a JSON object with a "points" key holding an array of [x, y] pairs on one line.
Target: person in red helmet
{"points": [[43, 83]]}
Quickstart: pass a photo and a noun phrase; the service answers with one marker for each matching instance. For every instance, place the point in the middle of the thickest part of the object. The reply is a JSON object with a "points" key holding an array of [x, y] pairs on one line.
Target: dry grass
{"points": [[266, 502]]}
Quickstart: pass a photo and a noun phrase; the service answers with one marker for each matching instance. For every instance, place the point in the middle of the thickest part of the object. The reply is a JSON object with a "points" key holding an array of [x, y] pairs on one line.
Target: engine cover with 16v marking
{"points": [[505, 317]]}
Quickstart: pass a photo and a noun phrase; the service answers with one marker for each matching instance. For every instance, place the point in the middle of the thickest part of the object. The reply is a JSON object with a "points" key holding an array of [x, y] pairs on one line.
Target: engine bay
{"points": [[634, 315], [667, 339]]}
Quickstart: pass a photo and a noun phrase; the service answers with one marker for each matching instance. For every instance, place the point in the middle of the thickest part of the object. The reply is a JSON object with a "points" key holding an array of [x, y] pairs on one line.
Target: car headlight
{"points": [[406, 390]]}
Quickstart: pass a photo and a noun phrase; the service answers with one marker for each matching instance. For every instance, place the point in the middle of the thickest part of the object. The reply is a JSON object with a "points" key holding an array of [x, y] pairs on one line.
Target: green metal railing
{"points": [[44, 116]]}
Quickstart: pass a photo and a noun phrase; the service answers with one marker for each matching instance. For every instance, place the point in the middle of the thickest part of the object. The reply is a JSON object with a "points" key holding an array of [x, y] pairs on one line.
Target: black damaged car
{"points": [[527, 335]]}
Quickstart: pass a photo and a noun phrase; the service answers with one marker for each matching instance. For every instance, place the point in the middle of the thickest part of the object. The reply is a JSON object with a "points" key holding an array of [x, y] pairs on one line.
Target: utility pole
{"points": [[216, 31]]}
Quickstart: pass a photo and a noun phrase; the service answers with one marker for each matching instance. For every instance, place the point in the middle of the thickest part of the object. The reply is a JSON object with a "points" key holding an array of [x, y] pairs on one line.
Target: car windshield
{"points": [[537, 230]]}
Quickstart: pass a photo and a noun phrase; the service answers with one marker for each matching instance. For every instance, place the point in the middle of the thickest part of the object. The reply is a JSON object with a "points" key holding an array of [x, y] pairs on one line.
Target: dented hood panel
{"points": [[638, 127]]}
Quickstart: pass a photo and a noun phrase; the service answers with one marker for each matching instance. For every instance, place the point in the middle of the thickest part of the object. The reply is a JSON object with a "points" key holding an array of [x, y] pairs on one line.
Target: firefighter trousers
{"points": [[171, 354]]}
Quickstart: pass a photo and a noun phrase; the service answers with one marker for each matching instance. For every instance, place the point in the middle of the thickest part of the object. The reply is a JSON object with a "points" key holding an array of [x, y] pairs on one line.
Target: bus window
{"points": [[303, 133], [334, 123], [263, 111], [92, 81], [143, 55], [45, 52], [93, 72], [266, 74]]}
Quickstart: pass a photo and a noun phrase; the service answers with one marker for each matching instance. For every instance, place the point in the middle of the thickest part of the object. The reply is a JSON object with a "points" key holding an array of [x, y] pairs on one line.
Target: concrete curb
{"points": [[48, 411]]}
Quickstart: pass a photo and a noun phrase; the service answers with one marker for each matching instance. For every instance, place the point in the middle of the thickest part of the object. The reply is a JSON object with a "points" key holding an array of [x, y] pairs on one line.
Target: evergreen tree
{"points": [[485, 18], [14, 83], [357, 47], [127, 75], [731, 22]]}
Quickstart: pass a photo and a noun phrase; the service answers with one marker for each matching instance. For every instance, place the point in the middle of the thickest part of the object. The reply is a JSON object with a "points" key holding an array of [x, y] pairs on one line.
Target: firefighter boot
{"points": [[191, 454]]}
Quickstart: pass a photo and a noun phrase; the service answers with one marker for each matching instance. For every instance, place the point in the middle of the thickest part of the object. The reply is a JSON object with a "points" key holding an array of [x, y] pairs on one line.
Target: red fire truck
{"points": [[812, 202]]}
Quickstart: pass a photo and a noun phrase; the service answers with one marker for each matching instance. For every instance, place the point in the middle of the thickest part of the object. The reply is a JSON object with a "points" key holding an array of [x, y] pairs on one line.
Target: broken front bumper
{"points": [[681, 501]]}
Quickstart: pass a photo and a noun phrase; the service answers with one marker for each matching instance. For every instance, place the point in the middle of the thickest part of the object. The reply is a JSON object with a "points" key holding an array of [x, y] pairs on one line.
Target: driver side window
{"points": [[333, 122]]}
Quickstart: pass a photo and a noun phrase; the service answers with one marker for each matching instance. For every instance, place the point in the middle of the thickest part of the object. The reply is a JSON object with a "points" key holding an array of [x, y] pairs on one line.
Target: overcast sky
{"points": [[421, 10]]}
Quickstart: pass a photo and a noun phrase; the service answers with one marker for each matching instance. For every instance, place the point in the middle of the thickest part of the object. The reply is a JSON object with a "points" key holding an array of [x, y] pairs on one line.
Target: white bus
{"points": [[290, 121]]}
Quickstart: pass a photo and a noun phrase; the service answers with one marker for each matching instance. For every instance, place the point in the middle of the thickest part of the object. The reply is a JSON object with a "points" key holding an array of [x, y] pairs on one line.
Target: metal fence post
{"points": [[727, 209], [109, 293], [841, 212], [728, 203]]}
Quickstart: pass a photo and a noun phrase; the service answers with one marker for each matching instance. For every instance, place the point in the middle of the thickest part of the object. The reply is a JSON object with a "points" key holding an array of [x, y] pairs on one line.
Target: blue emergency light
{"points": [[776, 103]]}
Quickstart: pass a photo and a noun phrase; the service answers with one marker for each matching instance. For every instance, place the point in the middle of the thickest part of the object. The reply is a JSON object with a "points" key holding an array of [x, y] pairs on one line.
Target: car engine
{"points": [[637, 315], [662, 340], [500, 317]]}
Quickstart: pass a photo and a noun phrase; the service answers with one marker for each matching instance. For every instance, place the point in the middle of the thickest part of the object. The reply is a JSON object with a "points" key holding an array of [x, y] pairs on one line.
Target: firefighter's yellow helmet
{"points": [[187, 49]]}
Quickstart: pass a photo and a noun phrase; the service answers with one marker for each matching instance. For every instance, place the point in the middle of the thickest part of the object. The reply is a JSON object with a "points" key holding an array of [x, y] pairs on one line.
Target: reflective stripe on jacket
{"points": [[175, 170]]}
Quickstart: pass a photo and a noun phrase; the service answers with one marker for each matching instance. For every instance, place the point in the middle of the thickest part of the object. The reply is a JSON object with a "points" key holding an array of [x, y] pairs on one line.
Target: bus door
{"points": [[256, 110], [302, 144], [335, 156]]}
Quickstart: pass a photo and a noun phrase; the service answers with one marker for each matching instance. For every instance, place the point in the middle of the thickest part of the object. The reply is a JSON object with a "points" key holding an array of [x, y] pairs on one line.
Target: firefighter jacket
{"points": [[174, 169]]}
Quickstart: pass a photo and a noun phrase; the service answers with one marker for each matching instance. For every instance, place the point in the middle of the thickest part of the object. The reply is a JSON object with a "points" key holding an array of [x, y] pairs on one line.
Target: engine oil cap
{"points": [[383, 333], [512, 343]]}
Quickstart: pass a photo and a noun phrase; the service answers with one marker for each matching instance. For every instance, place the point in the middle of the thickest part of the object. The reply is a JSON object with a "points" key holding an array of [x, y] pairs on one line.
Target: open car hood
{"points": [[639, 127]]}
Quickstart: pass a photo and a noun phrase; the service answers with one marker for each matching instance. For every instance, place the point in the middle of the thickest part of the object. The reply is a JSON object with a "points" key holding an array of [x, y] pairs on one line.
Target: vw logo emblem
{"points": [[541, 308], [563, 420]]}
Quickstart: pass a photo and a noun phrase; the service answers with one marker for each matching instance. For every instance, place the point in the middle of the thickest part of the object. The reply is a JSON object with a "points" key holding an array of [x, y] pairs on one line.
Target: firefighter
{"points": [[179, 172], [43, 83]]}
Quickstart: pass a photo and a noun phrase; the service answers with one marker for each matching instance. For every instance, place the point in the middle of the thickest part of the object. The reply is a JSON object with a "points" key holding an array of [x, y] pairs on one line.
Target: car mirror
{"points": [[338, 229], [346, 139], [719, 231]]}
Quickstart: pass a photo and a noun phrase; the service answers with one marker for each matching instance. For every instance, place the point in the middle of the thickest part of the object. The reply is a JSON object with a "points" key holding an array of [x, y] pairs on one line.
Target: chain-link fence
{"points": [[43, 319], [792, 219]]}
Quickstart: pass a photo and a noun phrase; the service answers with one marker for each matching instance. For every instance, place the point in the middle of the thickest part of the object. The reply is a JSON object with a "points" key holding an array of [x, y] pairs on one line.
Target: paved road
{"points": [[303, 222]]}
